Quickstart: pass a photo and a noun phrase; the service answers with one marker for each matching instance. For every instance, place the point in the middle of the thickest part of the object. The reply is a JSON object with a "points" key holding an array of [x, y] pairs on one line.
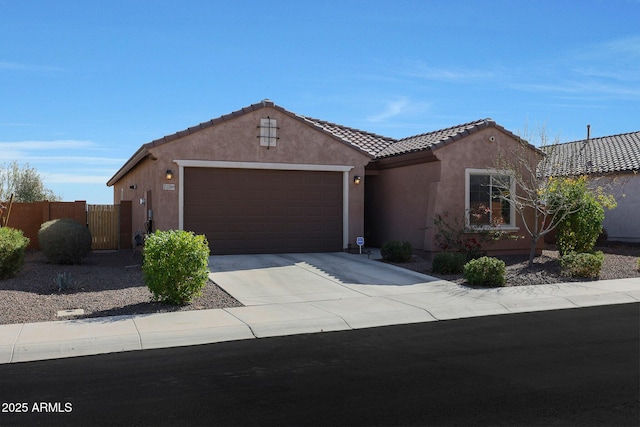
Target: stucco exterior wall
{"points": [[398, 203], [479, 151], [623, 223], [146, 179], [236, 140], [402, 201]]}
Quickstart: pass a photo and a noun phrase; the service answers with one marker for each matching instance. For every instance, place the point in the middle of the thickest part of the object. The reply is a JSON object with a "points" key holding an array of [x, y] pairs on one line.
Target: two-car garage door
{"points": [[243, 211]]}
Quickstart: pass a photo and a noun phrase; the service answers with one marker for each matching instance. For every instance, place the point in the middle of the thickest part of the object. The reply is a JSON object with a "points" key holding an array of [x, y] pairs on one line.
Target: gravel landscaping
{"points": [[620, 262], [107, 283], [110, 283]]}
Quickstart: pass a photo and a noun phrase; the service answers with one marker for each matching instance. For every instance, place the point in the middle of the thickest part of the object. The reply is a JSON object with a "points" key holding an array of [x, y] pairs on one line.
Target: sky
{"points": [[84, 83]]}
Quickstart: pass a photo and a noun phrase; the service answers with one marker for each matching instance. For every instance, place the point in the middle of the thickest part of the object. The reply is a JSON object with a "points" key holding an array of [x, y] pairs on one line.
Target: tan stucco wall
{"points": [[399, 204], [236, 140], [477, 151], [142, 178], [623, 223], [405, 199]]}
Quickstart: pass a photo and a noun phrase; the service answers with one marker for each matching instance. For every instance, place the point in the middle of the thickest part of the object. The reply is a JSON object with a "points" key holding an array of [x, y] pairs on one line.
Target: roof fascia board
{"points": [[137, 157], [406, 159], [143, 150]]}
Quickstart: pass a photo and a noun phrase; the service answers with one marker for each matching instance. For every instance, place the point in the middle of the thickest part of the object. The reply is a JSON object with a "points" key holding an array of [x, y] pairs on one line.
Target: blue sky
{"points": [[84, 83]]}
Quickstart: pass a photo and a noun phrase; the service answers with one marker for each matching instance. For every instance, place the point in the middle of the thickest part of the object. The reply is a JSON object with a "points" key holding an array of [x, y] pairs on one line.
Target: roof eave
{"points": [[137, 157]]}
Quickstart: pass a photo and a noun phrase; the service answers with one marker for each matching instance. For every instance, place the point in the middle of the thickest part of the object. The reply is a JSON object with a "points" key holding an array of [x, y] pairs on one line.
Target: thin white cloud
{"points": [[55, 151], [392, 109], [605, 70], [62, 144], [16, 66], [84, 160], [68, 178], [583, 89], [401, 106], [618, 49], [453, 75]]}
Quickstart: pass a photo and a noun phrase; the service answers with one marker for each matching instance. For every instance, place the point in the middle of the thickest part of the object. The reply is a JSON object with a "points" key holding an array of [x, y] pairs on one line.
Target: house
{"points": [[266, 180], [615, 161]]}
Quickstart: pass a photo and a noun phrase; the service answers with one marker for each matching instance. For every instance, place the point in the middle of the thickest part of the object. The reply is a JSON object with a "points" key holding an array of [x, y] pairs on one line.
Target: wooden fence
{"points": [[103, 222], [28, 217], [110, 225]]}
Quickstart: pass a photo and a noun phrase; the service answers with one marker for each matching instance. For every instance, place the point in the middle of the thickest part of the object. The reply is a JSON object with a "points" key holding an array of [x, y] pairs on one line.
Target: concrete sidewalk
{"points": [[302, 293]]}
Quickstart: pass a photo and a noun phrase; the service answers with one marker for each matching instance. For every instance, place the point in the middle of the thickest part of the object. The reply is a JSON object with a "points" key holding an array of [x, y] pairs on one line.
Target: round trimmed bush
{"points": [[587, 265], [64, 241], [448, 263], [396, 251], [175, 265], [485, 271], [12, 247]]}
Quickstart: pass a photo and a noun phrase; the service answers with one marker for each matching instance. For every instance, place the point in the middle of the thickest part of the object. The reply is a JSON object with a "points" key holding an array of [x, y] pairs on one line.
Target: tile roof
{"points": [[366, 141], [435, 139], [608, 154], [376, 146]]}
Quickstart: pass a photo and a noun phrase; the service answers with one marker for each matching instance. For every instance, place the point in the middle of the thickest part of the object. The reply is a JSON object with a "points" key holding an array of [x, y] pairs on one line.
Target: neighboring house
{"points": [[267, 180], [615, 160]]}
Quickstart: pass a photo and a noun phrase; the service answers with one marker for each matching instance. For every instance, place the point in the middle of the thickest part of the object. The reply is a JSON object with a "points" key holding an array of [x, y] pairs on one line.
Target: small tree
{"points": [[541, 200], [24, 182], [579, 231], [534, 190]]}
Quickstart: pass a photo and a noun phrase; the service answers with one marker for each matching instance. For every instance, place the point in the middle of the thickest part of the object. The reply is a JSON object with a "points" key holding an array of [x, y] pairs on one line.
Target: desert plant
{"points": [[579, 230], [448, 263], [12, 248], [583, 264], [396, 251], [175, 265], [64, 241], [485, 271], [453, 235], [63, 281], [638, 264]]}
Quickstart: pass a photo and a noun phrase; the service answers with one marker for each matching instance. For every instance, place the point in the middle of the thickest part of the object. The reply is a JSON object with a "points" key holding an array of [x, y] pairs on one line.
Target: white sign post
{"points": [[360, 243]]}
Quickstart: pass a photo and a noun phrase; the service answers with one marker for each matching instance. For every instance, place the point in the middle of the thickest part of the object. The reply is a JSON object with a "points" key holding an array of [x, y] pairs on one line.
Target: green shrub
{"points": [[485, 271], [585, 265], [12, 247], [448, 263], [579, 231], [175, 265], [638, 264], [64, 241], [396, 251]]}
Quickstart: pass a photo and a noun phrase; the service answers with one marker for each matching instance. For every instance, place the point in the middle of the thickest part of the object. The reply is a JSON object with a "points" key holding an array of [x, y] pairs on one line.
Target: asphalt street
{"points": [[574, 367]]}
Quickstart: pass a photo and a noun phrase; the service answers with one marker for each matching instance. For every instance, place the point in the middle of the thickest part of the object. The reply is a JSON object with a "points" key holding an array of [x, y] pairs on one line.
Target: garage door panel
{"points": [[264, 211]]}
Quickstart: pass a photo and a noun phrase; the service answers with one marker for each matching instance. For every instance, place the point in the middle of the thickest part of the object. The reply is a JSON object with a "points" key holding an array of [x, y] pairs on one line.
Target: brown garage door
{"points": [[243, 211]]}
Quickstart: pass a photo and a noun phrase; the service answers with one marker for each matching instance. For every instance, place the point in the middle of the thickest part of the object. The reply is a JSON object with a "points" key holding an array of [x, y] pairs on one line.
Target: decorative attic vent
{"points": [[268, 132]]}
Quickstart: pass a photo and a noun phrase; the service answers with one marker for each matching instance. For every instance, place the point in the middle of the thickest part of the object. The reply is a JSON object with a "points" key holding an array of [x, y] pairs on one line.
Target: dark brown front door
{"points": [[243, 211]]}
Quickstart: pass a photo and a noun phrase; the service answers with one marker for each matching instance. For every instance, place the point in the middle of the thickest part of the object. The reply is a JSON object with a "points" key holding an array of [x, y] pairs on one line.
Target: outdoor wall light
{"points": [[142, 201], [169, 174], [357, 179], [133, 187]]}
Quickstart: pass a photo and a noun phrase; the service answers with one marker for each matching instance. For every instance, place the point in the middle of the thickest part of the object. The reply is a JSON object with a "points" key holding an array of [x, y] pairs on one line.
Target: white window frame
{"points": [[467, 200]]}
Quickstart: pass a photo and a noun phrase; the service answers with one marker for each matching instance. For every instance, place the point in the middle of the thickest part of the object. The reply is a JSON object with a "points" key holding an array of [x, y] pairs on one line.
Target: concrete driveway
{"points": [[299, 293], [294, 278]]}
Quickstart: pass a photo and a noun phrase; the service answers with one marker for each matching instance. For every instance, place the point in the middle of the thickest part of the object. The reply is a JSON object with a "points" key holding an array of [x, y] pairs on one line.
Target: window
{"points": [[487, 203], [268, 132]]}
